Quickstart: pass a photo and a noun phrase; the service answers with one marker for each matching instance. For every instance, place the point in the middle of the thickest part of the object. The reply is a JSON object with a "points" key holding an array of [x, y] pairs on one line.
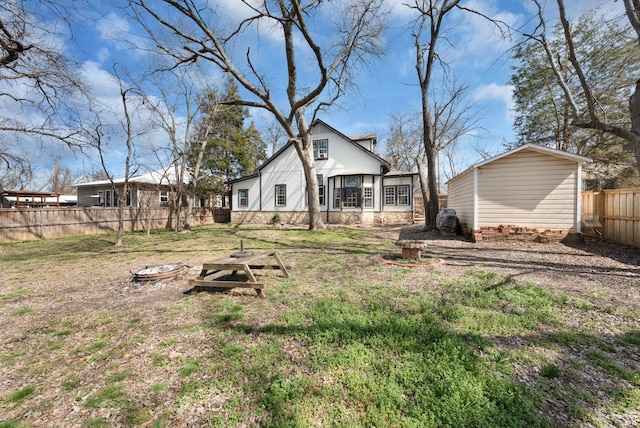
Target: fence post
{"points": [[41, 223]]}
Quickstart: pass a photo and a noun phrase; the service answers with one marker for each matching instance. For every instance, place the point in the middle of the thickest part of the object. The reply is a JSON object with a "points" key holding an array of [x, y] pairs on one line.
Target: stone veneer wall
{"points": [[335, 217], [513, 233]]}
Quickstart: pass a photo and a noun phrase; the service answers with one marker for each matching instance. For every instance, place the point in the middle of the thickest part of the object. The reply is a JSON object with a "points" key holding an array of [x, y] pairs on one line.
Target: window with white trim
{"points": [[389, 195], [367, 197], [321, 193], [243, 197], [397, 195], [403, 195], [281, 195], [320, 149], [164, 197]]}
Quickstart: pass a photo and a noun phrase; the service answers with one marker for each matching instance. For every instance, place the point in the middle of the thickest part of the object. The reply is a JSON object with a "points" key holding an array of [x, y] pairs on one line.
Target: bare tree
{"points": [[451, 119], [122, 197], [15, 168], [175, 109], [445, 120], [592, 115], [328, 73], [36, 77], [427, 32], [274, 135], [61, 179], [99, 135]]}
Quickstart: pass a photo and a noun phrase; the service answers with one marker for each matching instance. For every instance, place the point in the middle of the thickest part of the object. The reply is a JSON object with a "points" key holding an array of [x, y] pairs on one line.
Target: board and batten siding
{"points": [[460, 197], [530, 189]]}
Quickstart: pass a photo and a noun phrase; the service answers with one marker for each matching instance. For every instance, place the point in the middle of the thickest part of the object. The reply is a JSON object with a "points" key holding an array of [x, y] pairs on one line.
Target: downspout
{"points": [[260, 191], [475, 199]]}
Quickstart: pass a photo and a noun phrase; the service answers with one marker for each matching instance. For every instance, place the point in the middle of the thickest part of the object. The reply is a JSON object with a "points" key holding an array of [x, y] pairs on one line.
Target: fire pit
{"points": [[155, 273]]}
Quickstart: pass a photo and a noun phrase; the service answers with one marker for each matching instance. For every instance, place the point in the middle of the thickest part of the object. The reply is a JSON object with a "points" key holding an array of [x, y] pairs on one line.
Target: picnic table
{"points": [[243, 261]]}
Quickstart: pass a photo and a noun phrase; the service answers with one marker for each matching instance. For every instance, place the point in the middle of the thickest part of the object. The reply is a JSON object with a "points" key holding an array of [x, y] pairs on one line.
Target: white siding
{"points": [[285, 169], [460, 197], [528, 188], [399, 181], [253, 186]]}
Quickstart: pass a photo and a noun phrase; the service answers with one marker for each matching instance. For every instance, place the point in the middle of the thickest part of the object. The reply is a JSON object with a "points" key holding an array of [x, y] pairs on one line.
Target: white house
{"points": [[355, 184], [531, 187]]}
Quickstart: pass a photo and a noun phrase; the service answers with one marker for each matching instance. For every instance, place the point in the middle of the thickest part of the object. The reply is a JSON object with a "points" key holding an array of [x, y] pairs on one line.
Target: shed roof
{"points": [[526, 147]]}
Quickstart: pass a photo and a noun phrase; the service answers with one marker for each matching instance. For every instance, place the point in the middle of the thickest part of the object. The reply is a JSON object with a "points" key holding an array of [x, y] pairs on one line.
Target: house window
{"points": [[403, 195], [396, 195], [389, 195], [111, 198], [243, 197], [368, 197], [353, 181], [336, 198], [321, 189], [351, 197], [164, 197], [281, 195], [320, 149]]}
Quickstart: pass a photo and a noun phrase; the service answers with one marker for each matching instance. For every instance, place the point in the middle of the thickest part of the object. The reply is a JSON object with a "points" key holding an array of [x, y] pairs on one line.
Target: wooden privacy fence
{"points": [[40, 223], [618, 212]]}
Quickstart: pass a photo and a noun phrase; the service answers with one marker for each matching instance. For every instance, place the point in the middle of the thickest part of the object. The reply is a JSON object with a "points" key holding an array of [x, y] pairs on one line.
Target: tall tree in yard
{"points": [[609, 60], [38, 86], [329, 52], [444, 119], [590, 113], [231, 150]]}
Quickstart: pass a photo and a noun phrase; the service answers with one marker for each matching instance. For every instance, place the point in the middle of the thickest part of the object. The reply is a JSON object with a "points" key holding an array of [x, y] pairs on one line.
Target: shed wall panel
{"points": [[460, 198], [528, 189]]}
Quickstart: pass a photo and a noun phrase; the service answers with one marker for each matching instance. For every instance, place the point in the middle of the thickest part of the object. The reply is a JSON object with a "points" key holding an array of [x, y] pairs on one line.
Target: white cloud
{"points": [[117, 30], [493, 92]]}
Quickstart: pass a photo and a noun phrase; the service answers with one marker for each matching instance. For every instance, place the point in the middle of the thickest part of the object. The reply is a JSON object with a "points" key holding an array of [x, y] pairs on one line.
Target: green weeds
{"points": [[345, 341]]}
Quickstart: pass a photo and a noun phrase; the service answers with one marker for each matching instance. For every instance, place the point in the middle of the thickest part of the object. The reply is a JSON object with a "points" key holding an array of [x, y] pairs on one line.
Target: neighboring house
{"points": [[531, 187], [355, 184], [147, 190]]}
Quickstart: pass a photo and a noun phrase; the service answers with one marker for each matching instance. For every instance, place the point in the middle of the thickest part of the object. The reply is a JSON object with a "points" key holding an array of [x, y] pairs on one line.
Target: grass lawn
{"points": [[346, 341]]}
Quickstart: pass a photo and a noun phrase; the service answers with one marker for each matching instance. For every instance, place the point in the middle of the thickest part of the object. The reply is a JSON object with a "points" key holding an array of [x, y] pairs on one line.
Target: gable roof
{"points": [[526, 147], [316, 122], [537, 148]]}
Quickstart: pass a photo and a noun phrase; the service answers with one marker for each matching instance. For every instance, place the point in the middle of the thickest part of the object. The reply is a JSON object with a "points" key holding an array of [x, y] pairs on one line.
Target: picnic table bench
{"points": [[244, 261]]}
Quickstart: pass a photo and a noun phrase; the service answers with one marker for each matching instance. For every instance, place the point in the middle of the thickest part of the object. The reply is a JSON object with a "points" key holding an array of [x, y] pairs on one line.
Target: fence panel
{"points": [[41, 223], [619, 212]]}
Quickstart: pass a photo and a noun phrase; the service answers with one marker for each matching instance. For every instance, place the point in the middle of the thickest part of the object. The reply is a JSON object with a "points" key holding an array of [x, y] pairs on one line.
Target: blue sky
{"points": [[477, 56]]}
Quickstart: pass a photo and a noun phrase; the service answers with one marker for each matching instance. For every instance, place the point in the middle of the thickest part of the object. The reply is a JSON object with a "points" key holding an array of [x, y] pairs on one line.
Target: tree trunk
{"points": [[424, 189], [634, 113], [304, 147], [431, 206]]}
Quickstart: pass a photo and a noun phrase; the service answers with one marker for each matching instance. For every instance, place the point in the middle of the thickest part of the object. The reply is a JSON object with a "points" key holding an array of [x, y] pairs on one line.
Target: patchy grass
{"points": [[345, 341]]}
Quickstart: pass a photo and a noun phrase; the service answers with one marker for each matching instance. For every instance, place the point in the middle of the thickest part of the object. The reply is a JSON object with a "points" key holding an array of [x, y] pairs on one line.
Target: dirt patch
{"points": [[604, 273], [85, 304]]}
